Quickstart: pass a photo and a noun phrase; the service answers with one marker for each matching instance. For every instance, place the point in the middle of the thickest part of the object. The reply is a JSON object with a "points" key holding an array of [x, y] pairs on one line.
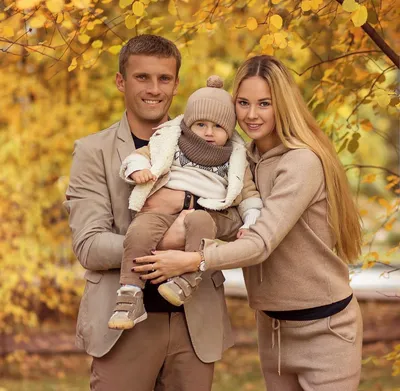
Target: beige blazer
{"points": [[97, 202]]}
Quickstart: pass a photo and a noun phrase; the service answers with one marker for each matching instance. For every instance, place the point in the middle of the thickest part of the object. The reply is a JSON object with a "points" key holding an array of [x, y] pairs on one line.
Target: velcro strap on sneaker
{"points": [[124, 307], [126, 299], [184, 285], [193, 279]]}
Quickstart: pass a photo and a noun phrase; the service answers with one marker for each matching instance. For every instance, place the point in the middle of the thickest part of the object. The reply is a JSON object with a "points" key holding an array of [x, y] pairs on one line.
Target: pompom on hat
{"points": [[211, 103]]}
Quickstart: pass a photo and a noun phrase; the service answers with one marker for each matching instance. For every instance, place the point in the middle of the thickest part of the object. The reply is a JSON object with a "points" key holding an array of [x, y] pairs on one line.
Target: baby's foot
{"points": [[129, 309], [177, 290]]}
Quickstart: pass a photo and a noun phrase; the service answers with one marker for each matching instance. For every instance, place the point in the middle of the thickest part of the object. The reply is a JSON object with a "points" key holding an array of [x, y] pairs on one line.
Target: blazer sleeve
{"points": [[298, 182], [90, 213]]}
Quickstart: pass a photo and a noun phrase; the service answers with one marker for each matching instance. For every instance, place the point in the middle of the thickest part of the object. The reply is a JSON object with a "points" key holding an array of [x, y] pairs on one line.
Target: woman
{"points": [[295, 255]]}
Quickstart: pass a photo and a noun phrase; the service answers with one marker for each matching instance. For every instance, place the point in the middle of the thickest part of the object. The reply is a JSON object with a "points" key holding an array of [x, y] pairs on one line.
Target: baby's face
{"points": [[211, 132]]}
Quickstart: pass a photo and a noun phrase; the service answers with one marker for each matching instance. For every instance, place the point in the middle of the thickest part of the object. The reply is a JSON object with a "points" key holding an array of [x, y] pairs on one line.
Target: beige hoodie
{"points": [[287, 255]]}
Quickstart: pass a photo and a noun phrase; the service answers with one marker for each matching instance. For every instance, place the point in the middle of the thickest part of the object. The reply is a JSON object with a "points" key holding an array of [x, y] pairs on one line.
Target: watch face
{"points": [[202, 266]]}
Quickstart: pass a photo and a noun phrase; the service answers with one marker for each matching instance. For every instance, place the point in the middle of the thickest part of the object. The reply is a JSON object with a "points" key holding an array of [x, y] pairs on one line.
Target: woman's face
{"points": [[255, 112]]}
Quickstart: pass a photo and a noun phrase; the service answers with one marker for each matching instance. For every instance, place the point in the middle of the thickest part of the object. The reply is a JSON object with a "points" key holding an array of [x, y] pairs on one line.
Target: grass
{"points": [[239, 369]]}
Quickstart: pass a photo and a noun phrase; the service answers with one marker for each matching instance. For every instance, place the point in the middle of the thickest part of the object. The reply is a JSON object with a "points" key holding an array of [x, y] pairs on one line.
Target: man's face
{"points": [[150, 84]]}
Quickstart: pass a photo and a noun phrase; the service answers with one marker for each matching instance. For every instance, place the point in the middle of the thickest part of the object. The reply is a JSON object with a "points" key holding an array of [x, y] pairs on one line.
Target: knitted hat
{"points": [[211, 103]]}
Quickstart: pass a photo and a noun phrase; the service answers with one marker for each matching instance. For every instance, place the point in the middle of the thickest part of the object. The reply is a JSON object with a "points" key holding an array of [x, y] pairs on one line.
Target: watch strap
{"points": [[187, 200]]}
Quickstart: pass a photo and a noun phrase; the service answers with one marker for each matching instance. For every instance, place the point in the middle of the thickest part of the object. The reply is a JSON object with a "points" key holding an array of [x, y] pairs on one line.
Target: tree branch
{"points": [[380, 42], [352, 166], [337, 58]]}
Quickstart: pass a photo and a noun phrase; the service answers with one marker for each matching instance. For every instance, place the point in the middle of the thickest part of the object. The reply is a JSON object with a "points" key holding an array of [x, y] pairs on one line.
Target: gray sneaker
{"points": [[129, 309], [179, 289]]}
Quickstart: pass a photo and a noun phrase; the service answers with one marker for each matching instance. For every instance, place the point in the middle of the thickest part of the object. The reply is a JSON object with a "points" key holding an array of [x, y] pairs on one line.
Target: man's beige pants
{"points": [[315, 355], [157, 354]]}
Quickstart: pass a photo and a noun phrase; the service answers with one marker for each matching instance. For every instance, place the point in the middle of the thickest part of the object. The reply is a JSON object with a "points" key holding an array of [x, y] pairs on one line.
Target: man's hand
{"points": [[241, 232], [165, 201], [143, 176]]}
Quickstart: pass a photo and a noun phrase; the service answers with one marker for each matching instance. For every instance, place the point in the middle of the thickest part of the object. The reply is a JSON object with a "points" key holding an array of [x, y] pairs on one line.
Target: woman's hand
{"points": [[166, 264]]}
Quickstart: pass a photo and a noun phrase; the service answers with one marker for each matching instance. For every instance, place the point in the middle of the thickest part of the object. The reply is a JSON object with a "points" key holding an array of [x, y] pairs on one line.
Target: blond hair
{"points": [[297, 128]]}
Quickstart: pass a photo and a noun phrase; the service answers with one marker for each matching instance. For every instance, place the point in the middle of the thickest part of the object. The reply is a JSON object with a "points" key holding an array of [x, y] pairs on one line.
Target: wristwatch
{"points": [[202, 264]]}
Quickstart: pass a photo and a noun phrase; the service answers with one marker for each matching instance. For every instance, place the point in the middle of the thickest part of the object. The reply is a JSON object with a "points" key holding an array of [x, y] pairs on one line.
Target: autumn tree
{"points": [[58, 60]]}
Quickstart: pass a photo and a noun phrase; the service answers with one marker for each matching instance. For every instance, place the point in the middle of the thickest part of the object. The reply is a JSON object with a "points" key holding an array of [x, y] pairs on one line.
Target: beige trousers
{"points": [[147, 230], [315, 355], [155, 355]]}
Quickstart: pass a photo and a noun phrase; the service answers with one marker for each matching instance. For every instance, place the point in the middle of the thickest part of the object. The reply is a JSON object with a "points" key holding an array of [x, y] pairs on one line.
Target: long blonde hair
{"points": [[297, 128]]}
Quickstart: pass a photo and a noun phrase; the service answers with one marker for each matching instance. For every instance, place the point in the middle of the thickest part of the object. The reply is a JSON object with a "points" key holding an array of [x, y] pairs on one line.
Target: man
{"points": [[176, 347]]}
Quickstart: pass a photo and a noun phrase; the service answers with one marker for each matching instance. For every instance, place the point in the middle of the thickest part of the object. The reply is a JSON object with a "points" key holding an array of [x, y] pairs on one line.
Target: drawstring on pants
{"points": [[276, 326]]}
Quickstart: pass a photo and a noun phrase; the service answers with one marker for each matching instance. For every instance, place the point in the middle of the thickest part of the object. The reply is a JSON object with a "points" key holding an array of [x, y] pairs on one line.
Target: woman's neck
{"points": [[267, 143]]}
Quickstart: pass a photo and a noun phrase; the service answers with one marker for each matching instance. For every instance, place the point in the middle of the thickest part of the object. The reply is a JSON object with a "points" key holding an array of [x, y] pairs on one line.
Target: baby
{"points": [[200, 153]]}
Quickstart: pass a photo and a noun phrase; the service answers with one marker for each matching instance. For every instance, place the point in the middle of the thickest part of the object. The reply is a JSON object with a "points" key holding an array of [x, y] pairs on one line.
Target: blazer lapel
{"points": [[125, 144]]}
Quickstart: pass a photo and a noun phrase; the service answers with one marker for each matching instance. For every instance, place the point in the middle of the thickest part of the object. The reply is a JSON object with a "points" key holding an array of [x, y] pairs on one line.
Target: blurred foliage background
{"points": [[58, 61]]}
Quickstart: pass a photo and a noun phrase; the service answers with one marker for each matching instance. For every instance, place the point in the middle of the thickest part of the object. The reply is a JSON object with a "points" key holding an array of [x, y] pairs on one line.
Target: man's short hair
{"points": [[148, 45]]}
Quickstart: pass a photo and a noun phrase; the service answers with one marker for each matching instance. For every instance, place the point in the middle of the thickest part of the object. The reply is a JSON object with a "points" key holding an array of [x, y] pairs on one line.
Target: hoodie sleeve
{"points": [[251, 204], [299, 180]]}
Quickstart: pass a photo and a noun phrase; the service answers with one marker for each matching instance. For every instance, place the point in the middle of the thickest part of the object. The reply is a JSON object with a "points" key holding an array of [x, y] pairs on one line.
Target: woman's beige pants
{"points": [[316, 355]]}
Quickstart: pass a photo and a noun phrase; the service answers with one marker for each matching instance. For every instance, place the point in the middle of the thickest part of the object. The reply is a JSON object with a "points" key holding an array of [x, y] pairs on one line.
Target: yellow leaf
{"points": [[306, 5], [393, 250], [363, 212], [374, 255], [210, 26], [67, 24], [106, 1], [60, 18], [114, 49], [124, 3], [138, 8], [280, 40], [266, 40], [385, 204], [81, 4], [275, 1], [383, 98], [2, 16], [73, 65], [55, 5], [350, 5], [172, 7], [37, 21], [97, 44], [315, 4], [84, 39], [23, 4], [360, 16], [389, 225], [276, 21], [366, 126], [370, 178], [130, 22], [8, 32], [251, 23]]}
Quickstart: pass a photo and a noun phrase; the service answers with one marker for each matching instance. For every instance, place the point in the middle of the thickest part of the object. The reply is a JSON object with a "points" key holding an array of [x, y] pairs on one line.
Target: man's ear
{"points": [[175, 91], [120, 82]]}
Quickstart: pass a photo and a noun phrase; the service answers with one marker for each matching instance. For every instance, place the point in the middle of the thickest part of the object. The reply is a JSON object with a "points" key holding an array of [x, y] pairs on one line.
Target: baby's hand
{"points": [[241, 232], [143, 176]]}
